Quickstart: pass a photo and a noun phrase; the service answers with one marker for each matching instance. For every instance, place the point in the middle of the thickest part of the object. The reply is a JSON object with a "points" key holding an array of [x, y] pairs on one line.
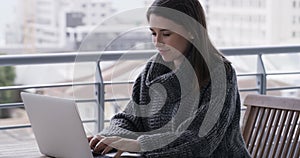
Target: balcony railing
{"points": [[94, 57]]}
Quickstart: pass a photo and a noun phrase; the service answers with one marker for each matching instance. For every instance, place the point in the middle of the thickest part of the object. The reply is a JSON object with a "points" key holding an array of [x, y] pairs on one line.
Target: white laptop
{"points": [[57, 126]]}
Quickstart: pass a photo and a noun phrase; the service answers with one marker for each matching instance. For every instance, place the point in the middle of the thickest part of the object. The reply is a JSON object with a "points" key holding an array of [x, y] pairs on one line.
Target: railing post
{"points": [[99, 92], [262, 77]]}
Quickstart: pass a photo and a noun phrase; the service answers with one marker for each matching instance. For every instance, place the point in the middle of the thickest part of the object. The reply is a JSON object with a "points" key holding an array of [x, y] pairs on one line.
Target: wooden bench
{"points": [[271, 126]]}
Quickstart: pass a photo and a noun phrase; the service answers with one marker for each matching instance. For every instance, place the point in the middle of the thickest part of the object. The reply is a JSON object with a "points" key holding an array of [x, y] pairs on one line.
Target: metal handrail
{"points": [[30, 59], [98, 57], [259, 50]]}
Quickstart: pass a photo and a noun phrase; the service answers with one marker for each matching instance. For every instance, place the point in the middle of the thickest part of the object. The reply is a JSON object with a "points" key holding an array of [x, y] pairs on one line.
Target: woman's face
{"points": [[168, 38]]}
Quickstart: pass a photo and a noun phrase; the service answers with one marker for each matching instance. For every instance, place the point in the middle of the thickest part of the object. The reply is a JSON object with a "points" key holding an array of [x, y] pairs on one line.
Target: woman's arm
{"points": [[126, 124], [189, 143], [123, 125]]}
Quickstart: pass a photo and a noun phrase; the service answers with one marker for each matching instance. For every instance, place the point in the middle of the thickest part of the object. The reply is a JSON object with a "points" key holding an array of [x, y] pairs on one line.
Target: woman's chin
{"points": [[167, 59]]}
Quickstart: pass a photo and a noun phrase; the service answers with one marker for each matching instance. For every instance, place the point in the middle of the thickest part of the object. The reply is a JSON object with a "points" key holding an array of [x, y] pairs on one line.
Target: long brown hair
{"points": [[191, 8]]}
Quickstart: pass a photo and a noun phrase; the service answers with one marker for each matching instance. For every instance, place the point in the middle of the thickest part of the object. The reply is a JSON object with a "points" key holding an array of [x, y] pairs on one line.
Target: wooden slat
{"points": [[272, 133], [255, 131], [27, 149], [271, 126], [278, 136], [267, 132], [291, 134], [297, 154], [246, 122], [261, 130], [285, 133], [294, 149], [249, 126]]}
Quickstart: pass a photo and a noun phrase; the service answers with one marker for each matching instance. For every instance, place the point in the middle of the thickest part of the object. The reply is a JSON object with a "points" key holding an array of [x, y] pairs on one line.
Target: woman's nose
{"points": [[158, 41]]}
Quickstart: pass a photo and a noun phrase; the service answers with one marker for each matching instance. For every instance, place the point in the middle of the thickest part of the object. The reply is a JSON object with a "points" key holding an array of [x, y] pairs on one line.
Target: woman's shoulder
{"points": [[230, 73], [150, 61], [148, 64], [155, 58], [229, 69]]}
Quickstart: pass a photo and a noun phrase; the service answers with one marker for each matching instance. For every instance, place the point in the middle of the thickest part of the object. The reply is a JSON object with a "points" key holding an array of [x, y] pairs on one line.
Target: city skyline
{"points": [[230, 23], [8, 12]]}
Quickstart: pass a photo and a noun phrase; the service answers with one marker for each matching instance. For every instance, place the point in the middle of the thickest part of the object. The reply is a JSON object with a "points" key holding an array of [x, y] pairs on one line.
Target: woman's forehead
{"points": [[159, 22]]}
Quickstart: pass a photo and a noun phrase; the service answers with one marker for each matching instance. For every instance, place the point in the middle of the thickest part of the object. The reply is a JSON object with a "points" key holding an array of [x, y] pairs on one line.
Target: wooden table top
{"points": [[18, 143], [28, 149]]}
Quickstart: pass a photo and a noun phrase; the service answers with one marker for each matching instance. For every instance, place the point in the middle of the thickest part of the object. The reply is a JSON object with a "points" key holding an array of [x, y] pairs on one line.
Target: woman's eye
{"points": [[163, 34], [166, 33]]}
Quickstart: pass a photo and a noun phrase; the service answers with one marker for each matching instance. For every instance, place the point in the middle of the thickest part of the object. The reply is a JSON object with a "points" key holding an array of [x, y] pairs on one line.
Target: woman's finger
{"points": [[104, 143], [89, 138], [99, 147], [126, 145], [94, 140], [109, 140], [118, 154], [106, 150]]}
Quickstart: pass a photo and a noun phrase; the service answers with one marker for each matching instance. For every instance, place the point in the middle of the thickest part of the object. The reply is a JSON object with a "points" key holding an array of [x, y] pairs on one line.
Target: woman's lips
{"points": [[163, 50]]}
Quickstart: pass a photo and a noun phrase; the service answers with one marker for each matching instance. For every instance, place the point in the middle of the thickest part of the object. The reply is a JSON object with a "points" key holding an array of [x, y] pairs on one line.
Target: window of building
{"points": [[233, 3], [262, 18], [40, 41], [293, 34], [294, 20], [294, 4], [255, 18], [263, 33], [263, 3]]}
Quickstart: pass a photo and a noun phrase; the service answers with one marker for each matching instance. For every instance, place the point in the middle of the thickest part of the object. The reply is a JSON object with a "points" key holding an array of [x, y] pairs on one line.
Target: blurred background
{"points": [[64, 26]]}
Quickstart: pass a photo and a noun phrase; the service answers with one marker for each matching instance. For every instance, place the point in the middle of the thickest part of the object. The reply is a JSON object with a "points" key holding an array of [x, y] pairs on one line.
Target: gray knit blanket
{"points": [[171, 117]]}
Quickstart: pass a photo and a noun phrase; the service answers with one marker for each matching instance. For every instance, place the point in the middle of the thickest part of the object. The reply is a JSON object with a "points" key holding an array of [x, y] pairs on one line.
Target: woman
{"points": [[186, 102]]}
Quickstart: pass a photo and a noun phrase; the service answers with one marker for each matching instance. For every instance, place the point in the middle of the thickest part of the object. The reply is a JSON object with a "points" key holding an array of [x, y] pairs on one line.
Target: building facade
{"points": [[253, 22], [44, 23]]}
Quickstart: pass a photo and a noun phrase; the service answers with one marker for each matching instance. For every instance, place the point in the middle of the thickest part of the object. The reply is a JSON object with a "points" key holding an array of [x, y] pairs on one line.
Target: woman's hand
{"points": [[123, 144], [106, 144], [95, 143]]}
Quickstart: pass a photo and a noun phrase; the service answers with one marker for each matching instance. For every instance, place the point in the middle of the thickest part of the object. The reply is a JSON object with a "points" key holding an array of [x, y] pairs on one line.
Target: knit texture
{"points": [[166, 113]]}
